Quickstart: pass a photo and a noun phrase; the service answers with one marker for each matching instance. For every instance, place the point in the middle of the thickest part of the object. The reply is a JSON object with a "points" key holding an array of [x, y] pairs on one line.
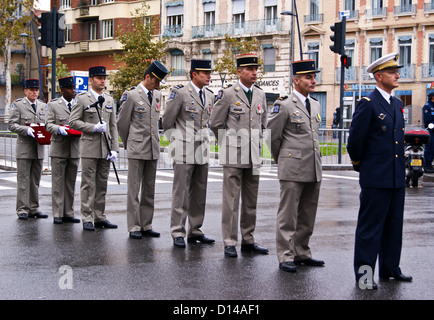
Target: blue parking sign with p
{"points": [[81, 84]]}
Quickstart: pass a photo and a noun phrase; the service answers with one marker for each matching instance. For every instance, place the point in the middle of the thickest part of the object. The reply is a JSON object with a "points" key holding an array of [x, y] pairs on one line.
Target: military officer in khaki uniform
{"points": [[185, 122], [294, 123], [238, 118], [138, 128], [64, 153], [29, 154], [95, 156]]}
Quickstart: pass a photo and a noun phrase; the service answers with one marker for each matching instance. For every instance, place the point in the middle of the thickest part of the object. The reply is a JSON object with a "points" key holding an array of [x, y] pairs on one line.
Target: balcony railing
{"points": [[376, 13], [354, 15], [173, 31], [407, 72], [350, 74], [428, 7], [406, 10], [427, 70], [248, 27], [313, 18]]}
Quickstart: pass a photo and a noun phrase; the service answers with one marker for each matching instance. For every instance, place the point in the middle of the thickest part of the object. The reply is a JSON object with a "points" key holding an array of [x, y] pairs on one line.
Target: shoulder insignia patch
{"points": [[172, 95], [283, 98], [228, 86], [276, 108], [179, 86], [219, 95], [366, 98]]}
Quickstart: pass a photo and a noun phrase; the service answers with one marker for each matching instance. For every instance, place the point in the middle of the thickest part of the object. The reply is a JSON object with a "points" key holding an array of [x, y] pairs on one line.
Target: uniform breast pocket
{"points": [[26, 119], [89, 115], [298, 124], [139, 112], [63, 120]]}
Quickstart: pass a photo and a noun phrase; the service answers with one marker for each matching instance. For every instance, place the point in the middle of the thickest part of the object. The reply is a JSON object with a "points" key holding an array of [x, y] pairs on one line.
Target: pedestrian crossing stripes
{"points": [[8, 182]]}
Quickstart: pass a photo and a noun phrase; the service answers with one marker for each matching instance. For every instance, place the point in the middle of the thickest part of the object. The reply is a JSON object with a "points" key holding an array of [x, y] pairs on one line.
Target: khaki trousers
{"points": [[188, 198], [29, 173], [63, 178], [238, 181], [93, 188], [296, 219], [141, 179]]}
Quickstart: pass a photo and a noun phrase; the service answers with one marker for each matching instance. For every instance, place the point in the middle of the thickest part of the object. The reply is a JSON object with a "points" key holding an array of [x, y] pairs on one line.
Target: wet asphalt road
{"points": [[43, 261]]}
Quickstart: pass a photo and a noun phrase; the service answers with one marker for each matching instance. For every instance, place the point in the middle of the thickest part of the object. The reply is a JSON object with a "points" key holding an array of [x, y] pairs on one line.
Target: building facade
{"points": [[197, 29]]}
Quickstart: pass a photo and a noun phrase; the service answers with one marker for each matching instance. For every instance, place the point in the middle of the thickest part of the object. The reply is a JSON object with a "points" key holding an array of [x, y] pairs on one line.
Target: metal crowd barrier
{"points": [[329, 143]]}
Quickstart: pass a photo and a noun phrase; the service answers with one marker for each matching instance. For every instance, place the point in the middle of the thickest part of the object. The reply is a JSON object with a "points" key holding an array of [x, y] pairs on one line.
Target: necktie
{"points": [[249, 96], [391, 101], [69, 106], [150, 97], [201, 97], [308, 105], [34, 107]]}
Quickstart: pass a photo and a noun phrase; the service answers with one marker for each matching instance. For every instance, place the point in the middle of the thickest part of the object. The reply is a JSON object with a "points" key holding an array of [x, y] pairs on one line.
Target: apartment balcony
{"points": [[376, 13], [173, 31], [86, 13], [407, 72], [350, 75], [232, 29], [428, 8], [89, 46], [427, 71], [407, 10], [313, 18]]}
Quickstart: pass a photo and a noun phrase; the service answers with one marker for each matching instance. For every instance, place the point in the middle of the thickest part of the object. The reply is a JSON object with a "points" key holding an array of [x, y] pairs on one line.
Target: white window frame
{"points": [[107, 28]]}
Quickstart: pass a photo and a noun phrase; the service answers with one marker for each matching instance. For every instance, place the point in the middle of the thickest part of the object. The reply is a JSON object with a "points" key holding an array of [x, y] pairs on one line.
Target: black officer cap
{"points": [[31, 83], [200, 65], [97, 71], [303, 67], [66, 82], [247, 59], [157, 69], [430, 95]]}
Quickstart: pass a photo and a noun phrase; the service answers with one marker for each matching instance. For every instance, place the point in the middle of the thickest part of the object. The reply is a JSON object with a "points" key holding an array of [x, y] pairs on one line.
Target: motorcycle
{"points": [[414, 140]]}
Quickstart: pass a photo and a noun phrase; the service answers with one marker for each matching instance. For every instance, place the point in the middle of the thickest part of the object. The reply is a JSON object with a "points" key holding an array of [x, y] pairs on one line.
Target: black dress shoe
{"points": [[150, 233], [23, 216], [105, 224], [70, 220], [88, 226], [179, 242], [135, 235], [401, 277], [288, 266], [310, 262], [38, 215], [253, 247], [202, 239], [57, 220], [230, 251]]}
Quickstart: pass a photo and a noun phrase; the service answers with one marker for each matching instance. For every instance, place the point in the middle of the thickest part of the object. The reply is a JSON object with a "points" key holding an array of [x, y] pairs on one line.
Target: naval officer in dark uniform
{"points": [[376, 148], [428, 118]]}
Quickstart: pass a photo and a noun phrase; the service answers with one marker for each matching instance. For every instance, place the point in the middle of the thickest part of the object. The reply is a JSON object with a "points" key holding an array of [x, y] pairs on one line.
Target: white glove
{"points": [[100, 127], [113, 156], [62, 131], [30, 132]]}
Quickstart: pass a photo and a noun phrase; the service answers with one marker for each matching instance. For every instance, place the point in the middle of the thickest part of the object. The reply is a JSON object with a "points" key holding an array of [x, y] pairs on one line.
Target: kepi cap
{"points": [[31, 83], [157, 69], [66, 82], [97, 71], [303, 67], [387, 62], [247, 59], [200, 65], [430, 95]]}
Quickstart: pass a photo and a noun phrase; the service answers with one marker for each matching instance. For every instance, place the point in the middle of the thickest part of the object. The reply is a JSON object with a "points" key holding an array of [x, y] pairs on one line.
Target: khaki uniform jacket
{"points": [[22, 115], [294, 139], [185, 122], [67, 147], [138, 124], [241, 141], [93, 144]]}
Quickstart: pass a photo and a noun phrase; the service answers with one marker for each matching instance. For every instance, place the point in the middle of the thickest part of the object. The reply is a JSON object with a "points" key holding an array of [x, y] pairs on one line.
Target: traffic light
{"points": [[346, 61], [337, 38], [60, 30], [45, 29]]}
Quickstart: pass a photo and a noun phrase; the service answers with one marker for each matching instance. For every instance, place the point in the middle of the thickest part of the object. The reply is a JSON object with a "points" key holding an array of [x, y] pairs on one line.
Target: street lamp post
{"points": [[223, 77]]}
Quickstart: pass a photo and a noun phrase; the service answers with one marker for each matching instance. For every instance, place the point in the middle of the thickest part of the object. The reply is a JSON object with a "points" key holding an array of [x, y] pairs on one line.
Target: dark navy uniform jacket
{"points": [[428, 114], [376, 139]]}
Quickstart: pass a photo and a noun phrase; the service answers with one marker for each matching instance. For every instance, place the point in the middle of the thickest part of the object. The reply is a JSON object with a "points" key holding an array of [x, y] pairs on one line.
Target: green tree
{"points": [[236, 46], [140, 49], [61, 70], [14, 16]]}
